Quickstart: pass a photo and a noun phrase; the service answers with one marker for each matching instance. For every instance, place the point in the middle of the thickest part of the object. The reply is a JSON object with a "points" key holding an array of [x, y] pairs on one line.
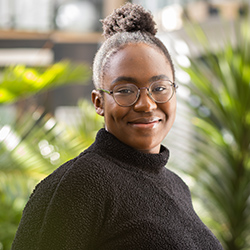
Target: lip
{"points": [[144, 122]]}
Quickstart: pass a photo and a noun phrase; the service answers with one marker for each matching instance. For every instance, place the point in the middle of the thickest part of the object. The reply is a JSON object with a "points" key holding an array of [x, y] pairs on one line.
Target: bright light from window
{"points": [[5, 130], [171, 17], [10, 139], [181, 47], [182, 76], [54, 157], [183, 61], [50, 123]]}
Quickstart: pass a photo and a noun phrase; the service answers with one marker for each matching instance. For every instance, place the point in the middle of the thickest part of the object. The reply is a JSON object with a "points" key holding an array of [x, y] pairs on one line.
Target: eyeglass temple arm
{"points": [[175, 86], [106, 91]]}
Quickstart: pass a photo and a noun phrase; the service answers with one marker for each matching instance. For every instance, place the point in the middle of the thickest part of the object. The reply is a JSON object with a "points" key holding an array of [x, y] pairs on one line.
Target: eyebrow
{"points": [[133, 80], [159, 77], [124, 79]]}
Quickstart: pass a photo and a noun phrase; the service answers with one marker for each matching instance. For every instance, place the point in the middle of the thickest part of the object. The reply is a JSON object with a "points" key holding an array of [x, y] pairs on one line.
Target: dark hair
{"points": [[129, 24]]}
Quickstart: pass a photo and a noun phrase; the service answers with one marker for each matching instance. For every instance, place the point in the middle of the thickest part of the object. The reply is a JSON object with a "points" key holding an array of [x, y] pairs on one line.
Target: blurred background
{"points": [[46, 118]]}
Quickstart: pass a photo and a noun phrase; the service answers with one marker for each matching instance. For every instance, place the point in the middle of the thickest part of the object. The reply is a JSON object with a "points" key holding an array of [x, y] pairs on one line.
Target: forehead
{"points": [[138, 61]]}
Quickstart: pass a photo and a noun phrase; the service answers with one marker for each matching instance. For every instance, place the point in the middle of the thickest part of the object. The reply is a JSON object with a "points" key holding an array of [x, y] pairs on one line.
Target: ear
{"points": [[97, 100]]}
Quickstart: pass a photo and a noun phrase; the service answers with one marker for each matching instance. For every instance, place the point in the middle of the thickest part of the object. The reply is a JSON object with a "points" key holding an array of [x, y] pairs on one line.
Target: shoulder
{"points": [[78, 182], [80, 172], [68, 201]]}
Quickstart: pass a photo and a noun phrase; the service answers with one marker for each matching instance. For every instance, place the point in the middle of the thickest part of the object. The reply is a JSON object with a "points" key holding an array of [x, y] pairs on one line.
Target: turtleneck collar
{"points": [[108, 145]]}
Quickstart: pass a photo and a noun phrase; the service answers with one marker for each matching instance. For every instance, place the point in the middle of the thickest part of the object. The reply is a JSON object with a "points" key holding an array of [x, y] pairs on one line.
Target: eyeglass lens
{"points": [[128, 93]]}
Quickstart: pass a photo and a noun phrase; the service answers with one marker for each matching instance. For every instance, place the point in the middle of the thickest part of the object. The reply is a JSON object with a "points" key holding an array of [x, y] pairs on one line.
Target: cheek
{"points": [[169, 108], [173, 107], [112, 111]]}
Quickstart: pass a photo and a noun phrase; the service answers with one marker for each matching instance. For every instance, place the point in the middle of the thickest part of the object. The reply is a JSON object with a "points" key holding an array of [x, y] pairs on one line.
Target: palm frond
{"points": [[31, 150], [20, 81], [219, 150]]}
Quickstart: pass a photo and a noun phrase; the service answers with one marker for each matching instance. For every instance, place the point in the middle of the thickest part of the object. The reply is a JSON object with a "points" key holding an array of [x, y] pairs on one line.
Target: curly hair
{"points": [[129, 24], [129, 18]]}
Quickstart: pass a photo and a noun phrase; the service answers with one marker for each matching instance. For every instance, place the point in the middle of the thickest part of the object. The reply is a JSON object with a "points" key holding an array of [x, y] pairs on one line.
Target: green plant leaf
{"points": [[220, 141], [21, 81]]}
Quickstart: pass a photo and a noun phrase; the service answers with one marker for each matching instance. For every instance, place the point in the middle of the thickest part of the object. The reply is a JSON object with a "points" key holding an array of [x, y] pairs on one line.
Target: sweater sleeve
{"points": [[64, 212]]}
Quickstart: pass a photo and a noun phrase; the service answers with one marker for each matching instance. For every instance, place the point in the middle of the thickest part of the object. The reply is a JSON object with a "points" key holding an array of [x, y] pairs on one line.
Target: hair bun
{"points": [[128, 18]]}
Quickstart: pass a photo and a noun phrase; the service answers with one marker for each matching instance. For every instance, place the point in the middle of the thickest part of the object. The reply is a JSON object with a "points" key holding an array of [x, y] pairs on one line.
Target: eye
{"points": [[159, 89], [125, 90]]}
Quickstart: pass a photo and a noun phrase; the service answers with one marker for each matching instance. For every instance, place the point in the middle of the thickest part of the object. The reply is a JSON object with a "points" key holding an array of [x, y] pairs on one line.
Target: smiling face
{"points": [[145, 124]]}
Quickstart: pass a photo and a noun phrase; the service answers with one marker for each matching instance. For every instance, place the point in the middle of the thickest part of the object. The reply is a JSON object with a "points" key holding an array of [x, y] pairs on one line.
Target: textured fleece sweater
{"points": [[112, 197]]}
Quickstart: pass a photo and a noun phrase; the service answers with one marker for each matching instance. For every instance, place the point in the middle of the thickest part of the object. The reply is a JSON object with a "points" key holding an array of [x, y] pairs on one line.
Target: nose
{"points": [[144, 102]]}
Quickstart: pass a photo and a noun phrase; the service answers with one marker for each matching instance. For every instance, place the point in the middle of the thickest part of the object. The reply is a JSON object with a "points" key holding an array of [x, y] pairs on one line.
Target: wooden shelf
{"points": [[23, 35], [53, 36], [72, 37]]}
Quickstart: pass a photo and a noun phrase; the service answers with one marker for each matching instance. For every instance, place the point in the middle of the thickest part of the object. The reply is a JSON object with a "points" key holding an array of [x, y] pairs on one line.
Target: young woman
{"points": [[118, 194]]}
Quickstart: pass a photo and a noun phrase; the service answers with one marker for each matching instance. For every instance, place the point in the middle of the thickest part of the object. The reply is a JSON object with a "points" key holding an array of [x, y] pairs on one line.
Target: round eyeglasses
{"points": [[127, 94]]}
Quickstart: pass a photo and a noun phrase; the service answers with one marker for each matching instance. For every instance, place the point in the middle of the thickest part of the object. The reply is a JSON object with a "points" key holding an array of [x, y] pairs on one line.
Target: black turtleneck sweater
{"points": [[112, 197]]}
